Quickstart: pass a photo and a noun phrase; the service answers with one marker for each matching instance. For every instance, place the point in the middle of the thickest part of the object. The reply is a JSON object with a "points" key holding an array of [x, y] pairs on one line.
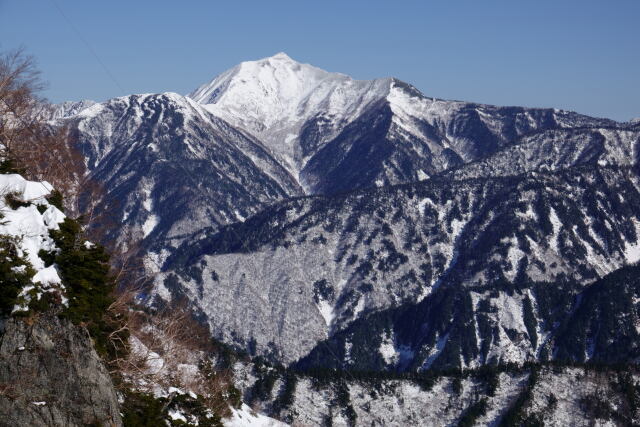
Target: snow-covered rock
{"points": [[246, 417], [28, 229]]}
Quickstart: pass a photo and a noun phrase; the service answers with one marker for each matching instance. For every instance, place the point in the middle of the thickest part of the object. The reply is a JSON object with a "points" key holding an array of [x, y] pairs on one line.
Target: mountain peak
{"points": [[277, 76], [273, 91], [281, 56], [274, 97], [279, 60]]}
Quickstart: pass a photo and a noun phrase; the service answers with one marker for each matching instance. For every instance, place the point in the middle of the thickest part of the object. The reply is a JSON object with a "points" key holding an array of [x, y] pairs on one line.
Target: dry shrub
{"points": [[171, 349]]}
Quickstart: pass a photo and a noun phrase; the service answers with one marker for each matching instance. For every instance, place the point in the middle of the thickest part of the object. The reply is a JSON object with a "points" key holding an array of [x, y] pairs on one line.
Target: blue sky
{"points": [[577, 55]]}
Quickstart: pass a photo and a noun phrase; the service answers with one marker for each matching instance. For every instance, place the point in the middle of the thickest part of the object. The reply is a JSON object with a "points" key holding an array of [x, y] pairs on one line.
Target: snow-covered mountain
{"points": [[335, 133], [177, 169], [67, 109], [271, 129], [274, 98]]}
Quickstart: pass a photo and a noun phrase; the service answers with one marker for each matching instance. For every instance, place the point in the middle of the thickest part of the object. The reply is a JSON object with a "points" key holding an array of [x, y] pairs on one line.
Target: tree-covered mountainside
{"points": [[457, 326], [321, 263]]}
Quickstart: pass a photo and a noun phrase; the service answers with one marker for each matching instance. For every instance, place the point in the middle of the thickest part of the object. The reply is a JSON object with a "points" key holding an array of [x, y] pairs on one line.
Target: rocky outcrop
{"points": [[50, 375]]}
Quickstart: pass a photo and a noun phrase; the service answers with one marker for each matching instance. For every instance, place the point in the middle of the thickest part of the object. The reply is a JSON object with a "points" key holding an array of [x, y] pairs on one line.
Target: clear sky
{"points": [[578, 55]]}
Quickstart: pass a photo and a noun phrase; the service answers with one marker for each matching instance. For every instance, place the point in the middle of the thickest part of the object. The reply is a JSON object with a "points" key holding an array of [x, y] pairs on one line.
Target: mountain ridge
{"points": [[298, 121], [378, 250]]}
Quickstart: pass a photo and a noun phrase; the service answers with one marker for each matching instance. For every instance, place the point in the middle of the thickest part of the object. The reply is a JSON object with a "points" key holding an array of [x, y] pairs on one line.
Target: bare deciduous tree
{"points": [[42, 151], [19, 82], [169, 349]]}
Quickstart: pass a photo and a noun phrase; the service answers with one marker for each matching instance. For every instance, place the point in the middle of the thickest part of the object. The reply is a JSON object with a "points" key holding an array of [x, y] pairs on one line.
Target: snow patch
{"points": [[150, 224], [177, 415], [422, 175], [326, 310], [246, 417], [557, 225], [632, 250], [388, 350]]}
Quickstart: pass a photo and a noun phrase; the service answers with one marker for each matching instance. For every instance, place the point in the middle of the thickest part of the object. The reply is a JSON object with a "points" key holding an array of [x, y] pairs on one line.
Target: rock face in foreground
{"points": [[50, 375]]}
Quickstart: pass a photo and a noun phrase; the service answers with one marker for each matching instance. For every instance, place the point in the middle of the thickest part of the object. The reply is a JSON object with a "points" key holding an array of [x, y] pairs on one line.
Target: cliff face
{"points": [[50, 375]]}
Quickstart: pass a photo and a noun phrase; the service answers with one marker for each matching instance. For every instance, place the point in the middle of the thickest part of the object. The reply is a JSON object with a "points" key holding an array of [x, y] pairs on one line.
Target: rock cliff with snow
{"points": [[50, 373]]}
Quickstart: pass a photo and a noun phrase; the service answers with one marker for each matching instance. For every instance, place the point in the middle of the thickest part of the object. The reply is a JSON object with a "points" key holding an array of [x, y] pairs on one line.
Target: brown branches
{"points": [[166, 350], [180, 351], [19, 106], [42, 151]]}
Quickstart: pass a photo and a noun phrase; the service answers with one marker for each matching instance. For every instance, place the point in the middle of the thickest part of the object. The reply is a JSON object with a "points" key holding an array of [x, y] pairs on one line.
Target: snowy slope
{"points": [[558, 396], [68, 109], [246, 417], [274, 97], [554, 150], [303, 270]]}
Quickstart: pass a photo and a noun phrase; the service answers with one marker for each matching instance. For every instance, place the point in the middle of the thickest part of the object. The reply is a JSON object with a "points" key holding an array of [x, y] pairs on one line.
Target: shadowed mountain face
{"points": [[293, 206]]}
